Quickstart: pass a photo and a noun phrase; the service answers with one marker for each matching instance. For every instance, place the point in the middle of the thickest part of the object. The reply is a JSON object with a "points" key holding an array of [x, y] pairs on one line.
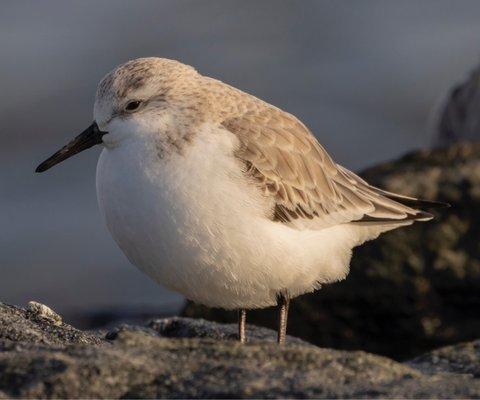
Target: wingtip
{"points": [[436, 204], [444, 205], [414, 202]]}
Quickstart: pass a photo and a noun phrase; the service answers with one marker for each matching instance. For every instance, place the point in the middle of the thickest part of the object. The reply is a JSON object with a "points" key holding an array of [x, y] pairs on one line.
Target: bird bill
{"points": [[88, 138]]}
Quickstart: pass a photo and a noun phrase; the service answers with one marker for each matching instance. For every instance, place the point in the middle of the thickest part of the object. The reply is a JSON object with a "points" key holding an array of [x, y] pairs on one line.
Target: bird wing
{"points": [[310, 190]]}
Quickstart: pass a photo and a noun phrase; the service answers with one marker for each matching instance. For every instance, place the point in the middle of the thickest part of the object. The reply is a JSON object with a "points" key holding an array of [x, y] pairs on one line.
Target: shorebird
{"points": [[223, 197]]}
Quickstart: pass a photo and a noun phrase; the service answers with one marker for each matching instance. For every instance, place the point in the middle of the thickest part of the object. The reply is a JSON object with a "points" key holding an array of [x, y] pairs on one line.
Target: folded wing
{"points": [[310, 190]]}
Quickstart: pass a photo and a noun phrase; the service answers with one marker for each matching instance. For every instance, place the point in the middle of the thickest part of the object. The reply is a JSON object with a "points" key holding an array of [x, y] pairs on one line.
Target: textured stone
{"points": [[42, 311], [185, 358], [19, 327], [462, 358], [459, 117]]}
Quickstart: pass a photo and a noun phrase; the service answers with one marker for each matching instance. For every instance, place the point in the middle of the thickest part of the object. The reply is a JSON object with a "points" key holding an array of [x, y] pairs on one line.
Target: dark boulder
{"points": [[459, 117]]}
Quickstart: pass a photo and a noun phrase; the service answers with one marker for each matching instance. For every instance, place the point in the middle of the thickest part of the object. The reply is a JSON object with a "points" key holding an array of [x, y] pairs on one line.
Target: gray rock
{"points": [[459, 117], [411, 290], [42, 311], [463, 358], [177, 327], [190, 328], [19, 327], [184, 358]]}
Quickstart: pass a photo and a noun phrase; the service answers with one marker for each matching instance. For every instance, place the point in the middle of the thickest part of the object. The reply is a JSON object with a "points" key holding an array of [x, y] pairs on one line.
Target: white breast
{"points": [[194, 223]]}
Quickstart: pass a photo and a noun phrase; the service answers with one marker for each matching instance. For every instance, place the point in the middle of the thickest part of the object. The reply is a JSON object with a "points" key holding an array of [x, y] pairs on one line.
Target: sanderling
{"points": [[223, 197]]}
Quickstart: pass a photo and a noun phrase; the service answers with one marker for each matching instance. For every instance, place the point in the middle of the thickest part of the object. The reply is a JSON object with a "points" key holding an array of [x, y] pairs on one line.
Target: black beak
{"points": [[88, 138]]}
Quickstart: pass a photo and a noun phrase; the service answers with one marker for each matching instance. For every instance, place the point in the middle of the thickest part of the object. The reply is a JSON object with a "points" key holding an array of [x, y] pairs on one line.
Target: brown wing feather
{"points": [[309, 188]]}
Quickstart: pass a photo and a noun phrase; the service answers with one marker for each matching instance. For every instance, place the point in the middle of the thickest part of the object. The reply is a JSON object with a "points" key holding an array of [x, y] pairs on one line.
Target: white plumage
{"points": [[223, 197]]}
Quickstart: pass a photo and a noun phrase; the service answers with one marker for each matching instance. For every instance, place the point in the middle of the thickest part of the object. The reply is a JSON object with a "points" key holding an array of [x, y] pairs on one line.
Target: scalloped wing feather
{"points": [[310, 190]]}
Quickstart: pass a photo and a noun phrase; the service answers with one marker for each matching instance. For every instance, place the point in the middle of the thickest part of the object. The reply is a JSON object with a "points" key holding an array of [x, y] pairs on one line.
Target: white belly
{"points": [[193, 223]]}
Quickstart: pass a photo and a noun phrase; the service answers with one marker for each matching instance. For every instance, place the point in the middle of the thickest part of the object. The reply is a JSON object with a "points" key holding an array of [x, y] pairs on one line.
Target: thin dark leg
{"points": [[242, 322], [283, 304]]}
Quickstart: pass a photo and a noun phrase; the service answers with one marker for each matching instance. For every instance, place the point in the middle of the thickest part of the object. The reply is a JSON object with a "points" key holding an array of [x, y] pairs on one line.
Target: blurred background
{"points": [[365, 76]]}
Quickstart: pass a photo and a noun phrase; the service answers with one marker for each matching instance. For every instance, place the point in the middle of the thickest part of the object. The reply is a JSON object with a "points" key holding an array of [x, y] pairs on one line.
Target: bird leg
{"points": [[242, 321], [282, 304]]}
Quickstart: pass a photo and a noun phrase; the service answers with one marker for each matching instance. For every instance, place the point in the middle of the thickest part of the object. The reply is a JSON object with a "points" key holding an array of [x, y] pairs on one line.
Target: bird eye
{"points": [[132, 105]]}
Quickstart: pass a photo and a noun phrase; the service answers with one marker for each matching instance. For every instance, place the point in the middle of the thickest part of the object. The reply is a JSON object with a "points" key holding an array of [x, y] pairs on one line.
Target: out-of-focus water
{"points": [[362, 75]]}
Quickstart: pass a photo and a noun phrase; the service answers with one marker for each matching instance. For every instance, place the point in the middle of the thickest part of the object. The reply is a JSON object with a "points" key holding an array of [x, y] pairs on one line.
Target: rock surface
{"points": [[463, 358], [184, 358], [459, 117], [19, 326], [411, 290]]}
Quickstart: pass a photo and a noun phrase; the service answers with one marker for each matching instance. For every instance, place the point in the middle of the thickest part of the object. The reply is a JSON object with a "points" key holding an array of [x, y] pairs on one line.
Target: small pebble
{"points": [[42, 311]]}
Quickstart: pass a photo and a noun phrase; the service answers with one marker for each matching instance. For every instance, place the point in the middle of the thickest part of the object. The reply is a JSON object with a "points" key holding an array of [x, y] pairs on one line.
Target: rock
{"points": [[411, 290], [463, 358], [459, 117], [199, 328], [19, 327], [184, 358], [42, 311]]}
